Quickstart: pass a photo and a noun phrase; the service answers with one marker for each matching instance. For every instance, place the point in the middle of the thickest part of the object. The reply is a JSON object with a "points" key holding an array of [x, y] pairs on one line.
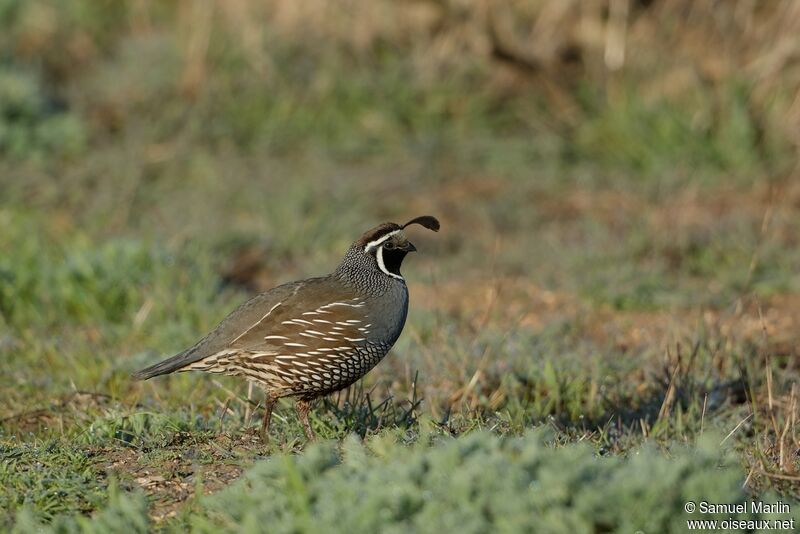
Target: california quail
{"points": [[315, 336]]}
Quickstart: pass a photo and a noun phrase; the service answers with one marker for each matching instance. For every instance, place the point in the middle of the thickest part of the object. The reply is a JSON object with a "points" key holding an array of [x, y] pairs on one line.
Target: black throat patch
{"points": [[393, 259]]}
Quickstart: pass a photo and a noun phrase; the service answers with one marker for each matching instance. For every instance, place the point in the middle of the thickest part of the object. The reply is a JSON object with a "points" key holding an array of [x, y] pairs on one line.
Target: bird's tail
{"points": [[170, 365]]}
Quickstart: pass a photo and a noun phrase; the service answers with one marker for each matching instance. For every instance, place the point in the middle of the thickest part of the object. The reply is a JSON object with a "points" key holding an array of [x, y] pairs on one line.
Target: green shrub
{"points": [[52, 281], [32, 124], [478, 483]]}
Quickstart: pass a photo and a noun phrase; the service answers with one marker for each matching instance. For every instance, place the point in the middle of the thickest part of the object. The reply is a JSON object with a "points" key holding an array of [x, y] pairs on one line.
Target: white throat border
{"points": [[382, 265], [379, 253]]}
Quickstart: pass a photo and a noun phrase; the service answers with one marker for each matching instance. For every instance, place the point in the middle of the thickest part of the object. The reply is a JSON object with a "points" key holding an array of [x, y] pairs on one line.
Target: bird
{"points": [[309, 338]]}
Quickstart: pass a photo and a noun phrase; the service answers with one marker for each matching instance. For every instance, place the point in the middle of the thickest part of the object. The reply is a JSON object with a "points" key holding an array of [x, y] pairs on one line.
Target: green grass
{"points": [[620, 277], [476, 483], [50, 478]]}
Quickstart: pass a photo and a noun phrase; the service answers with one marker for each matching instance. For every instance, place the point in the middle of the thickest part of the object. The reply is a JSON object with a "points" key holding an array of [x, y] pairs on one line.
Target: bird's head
{"points": [[386, 245]]}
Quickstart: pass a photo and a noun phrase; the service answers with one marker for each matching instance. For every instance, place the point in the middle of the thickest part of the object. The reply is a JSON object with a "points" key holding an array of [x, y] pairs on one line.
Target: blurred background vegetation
{"points": [[617, 182]]}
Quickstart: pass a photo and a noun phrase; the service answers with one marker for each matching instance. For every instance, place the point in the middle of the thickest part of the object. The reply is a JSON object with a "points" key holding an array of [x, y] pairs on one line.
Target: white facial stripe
{"points": [[382, 266], [373, 244]]}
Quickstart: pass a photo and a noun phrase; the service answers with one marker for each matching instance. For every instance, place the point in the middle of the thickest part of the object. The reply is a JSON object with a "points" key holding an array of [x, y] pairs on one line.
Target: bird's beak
{"points": [[409, 247]]}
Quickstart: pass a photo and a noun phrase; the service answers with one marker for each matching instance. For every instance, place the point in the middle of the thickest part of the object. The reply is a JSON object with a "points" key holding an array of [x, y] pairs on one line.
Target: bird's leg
{"points": [[268, 405], [303, 407]]}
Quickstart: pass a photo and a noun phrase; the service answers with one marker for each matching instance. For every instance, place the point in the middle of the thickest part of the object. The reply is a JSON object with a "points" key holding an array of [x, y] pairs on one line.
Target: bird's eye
{"points": [[388, 246]]}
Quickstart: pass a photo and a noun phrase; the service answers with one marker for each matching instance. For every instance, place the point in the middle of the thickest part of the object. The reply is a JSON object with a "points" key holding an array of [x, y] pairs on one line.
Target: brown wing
{"points": [[303, 342], [316, 316], [220, 338]]}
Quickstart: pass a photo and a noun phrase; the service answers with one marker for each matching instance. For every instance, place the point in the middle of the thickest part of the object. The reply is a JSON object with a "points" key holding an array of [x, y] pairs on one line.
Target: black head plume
{"points": [[428, 221]]}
